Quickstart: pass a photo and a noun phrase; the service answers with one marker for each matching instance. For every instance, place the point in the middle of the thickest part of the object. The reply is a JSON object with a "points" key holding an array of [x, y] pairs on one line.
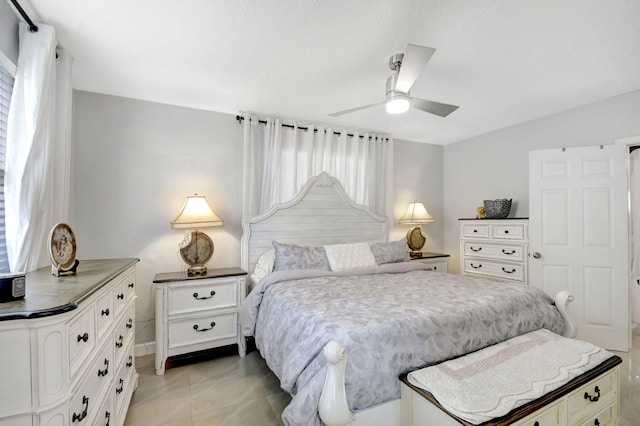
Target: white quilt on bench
{"points": [[493, 381]]}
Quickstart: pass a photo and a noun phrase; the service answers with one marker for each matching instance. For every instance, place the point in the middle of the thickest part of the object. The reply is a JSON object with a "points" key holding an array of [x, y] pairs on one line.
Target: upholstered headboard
{"points": [[321, 214]]}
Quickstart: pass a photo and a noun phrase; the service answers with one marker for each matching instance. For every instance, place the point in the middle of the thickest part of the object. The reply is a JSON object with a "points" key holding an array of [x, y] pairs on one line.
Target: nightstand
{"points": [[438, 261], [197, 313]]}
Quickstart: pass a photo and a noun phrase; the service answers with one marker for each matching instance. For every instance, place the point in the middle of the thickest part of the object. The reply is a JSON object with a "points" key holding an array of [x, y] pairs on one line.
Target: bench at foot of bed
{"points": [[590, 398]]}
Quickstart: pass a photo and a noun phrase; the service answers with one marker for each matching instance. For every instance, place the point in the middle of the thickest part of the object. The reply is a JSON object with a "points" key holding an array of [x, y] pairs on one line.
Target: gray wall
{"points": [[8, 32], [134, 162], [496, 165]]}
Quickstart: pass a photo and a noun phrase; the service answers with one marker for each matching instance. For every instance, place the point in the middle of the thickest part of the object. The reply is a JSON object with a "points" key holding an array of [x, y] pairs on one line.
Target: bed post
{"points": [[333, 408], [563, 298]]}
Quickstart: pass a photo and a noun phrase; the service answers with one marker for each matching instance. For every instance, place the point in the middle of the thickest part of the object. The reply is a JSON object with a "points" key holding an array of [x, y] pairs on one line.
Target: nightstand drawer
{"points": [[222, 294], [202, 329]]}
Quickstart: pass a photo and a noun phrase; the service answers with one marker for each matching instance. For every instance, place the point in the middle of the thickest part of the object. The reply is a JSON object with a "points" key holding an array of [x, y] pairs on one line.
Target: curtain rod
{"points": [[32, 27], [240, 119]]}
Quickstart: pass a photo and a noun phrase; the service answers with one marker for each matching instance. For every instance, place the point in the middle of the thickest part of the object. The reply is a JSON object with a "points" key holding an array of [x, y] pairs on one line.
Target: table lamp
{"points": [[416, 214], [198, 249]]}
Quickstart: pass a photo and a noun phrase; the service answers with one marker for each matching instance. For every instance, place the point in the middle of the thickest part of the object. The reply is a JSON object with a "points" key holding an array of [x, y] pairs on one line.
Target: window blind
{"points": [[6, 87]]}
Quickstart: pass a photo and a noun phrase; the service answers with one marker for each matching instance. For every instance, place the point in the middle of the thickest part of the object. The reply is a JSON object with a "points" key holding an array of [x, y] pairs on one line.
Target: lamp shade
{"points": [[196, 213], [416, 214]]}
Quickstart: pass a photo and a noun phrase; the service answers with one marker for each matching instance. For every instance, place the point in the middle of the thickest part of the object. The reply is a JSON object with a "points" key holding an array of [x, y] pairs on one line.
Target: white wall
{"points": [[135, 162], [496, 165]]}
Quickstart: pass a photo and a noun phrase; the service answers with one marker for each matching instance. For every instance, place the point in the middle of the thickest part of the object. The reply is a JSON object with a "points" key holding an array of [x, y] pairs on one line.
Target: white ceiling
{"points": [[502, 61]]}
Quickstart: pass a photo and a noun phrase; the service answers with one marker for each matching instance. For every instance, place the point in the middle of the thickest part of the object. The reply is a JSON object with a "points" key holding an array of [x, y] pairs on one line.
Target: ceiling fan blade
{"points": [[347, 111], [432, 107], [414, 61]]}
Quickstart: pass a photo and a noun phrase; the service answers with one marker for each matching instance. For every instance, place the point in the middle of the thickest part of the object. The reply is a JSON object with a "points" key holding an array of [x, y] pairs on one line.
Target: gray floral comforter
{"points": [[391, 320]]}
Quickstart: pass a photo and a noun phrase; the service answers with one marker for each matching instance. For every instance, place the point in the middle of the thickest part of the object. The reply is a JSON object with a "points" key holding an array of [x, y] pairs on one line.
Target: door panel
{"points": [[578, 223]]}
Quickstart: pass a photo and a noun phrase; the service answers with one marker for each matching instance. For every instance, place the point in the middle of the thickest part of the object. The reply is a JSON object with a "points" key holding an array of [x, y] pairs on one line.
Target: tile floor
{"points": [[230, 390]]}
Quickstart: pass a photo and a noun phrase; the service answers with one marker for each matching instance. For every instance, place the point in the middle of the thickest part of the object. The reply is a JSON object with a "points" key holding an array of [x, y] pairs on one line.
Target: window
{"points": [[6, 87]]}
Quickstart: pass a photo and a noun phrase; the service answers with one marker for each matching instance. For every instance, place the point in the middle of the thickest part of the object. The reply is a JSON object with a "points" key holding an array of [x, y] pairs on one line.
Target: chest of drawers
{"points": [[67, 349], [197, 313], [494, 248]]}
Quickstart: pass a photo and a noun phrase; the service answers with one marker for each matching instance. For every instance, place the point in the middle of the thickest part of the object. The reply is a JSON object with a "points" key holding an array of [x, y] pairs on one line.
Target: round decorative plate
{"points": [[62, 246], [199, 250]]}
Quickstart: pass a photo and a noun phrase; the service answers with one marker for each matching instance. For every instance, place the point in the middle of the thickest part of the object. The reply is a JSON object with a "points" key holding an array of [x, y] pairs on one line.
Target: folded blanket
{"points": [[493, 381]]}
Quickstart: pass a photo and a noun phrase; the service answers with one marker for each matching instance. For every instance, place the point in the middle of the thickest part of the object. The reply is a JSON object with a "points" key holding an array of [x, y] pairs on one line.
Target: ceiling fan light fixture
{"points": [[397, 104]]}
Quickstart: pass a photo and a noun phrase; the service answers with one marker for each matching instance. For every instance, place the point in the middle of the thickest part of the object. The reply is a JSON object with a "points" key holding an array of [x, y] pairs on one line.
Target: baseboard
{"points": [[143, 349]]}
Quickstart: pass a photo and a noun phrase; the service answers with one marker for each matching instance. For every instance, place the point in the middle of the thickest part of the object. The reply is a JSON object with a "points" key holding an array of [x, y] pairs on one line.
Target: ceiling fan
{"points": [[407, 68]]}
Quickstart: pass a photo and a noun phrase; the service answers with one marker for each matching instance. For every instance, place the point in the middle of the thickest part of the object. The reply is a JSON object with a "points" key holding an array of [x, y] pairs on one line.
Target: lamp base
{"points": [[415, 254], [194, 270], [416, 239]]}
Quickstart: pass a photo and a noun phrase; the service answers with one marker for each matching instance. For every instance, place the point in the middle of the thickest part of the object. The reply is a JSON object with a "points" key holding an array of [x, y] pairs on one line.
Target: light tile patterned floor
{"points": [[242, 391]]}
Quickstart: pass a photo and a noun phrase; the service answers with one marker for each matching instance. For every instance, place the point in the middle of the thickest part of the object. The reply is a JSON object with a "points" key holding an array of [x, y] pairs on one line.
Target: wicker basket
{"points": [[497, 209]]}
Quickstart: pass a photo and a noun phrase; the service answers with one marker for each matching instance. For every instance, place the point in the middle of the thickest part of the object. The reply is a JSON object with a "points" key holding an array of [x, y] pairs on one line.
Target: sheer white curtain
{"points": [[38, 149], [279, 160]]}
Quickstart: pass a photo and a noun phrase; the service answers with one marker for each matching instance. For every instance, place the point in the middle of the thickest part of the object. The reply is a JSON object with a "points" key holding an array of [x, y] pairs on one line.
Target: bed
{"points": [[338, 337]]}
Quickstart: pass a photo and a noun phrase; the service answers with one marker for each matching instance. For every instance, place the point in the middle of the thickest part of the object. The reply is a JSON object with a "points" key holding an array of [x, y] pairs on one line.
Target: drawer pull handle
{"points": [[107, 418], [537, 423], [195, 295], [130, 362], [102, 373], [83, 338], [105, 312], [130, 285], [121, 388], [475, 230], [508, 253], [478, 249], [121, 296], [476, 267], [129, 323], [506, 231], [213, 324], [596, 422], [508, 272], [85, 407], [119, 342], [593, 398]]}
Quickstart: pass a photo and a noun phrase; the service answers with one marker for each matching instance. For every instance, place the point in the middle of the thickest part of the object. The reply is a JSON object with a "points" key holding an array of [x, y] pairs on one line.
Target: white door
{"points": [[578, 236]]}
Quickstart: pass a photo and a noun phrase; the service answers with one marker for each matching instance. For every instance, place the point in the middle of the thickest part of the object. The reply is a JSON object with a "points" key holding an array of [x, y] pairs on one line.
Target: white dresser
{"points": [[198, 312], [67, 354], [495, 248]]}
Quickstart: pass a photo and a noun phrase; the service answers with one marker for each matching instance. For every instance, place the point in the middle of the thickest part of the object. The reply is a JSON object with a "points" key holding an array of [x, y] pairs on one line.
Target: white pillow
{"points": [[264, 266], [344, 257]]}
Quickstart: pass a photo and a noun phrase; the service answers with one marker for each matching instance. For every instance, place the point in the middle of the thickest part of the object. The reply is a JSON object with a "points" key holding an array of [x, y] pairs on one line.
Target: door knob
{"points": [[537, 255]]}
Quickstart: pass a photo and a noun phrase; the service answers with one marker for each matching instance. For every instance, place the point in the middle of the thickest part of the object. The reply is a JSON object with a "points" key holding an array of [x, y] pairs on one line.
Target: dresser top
{"points": [[494, 218], [48, 295]]}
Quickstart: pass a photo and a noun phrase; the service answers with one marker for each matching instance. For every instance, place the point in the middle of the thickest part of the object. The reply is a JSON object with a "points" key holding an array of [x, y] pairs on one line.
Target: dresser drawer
{"points": [[124, 334], [594, 396], [508, 231], [549, 416], [221, 294], [106, 415], [87, 399], [502, 270], [82, 338], [105, 313], [123, 379], [513, 253], [605, 417], [202, 329], [475, 231]]}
